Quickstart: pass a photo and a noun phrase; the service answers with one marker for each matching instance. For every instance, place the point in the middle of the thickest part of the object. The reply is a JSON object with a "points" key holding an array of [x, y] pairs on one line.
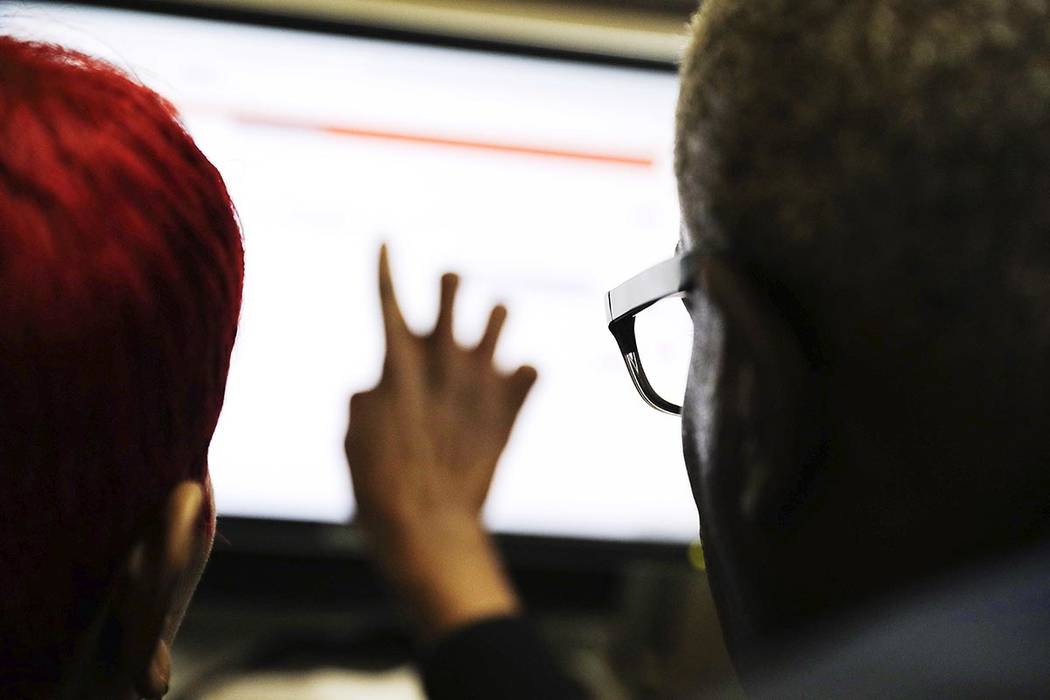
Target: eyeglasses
{"points": [[671, 279]]}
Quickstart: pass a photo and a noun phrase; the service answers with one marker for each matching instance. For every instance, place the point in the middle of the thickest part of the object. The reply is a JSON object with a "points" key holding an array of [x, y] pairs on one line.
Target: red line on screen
{"points": [[491, 146], [444, 141]]}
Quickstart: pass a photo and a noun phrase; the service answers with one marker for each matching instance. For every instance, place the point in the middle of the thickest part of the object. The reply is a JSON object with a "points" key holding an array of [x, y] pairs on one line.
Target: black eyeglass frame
{"points": [[671, 278]]}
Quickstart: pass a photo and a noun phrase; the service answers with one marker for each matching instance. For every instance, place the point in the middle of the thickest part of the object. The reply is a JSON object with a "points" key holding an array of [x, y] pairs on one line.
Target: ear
{"points": [[768, 389], [145, 598]]}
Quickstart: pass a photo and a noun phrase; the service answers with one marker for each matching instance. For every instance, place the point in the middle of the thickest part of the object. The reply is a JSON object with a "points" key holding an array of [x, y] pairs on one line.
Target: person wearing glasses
{"points": [[865, 256]]}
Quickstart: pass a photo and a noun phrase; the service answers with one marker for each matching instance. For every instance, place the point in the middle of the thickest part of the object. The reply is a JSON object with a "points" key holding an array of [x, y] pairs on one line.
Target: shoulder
{"points": [[987, 636]]}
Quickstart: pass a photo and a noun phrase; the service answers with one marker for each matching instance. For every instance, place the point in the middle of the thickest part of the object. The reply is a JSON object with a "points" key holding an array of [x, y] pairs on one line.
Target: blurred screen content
{"points": [[543, 182]]}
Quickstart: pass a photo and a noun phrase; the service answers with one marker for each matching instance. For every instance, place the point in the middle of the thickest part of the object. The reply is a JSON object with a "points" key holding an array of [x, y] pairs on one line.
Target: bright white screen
{"points": [[463, 161]]}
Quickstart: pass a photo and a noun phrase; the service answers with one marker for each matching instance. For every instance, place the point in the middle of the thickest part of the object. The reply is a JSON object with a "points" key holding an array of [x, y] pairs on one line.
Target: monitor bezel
{"points": [[278, 537], [370, 30]]}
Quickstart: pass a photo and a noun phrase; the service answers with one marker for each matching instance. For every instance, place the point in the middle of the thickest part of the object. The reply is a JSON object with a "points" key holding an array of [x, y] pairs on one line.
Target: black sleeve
{"points": [[497, 658]]}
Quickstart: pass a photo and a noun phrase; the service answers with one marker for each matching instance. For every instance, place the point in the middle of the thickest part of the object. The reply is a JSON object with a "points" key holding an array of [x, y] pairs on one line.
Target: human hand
{"points": [[423, 447]]}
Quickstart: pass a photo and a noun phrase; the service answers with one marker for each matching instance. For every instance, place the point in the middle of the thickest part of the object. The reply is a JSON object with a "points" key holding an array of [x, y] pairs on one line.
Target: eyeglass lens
{"points": [[664, 335]]}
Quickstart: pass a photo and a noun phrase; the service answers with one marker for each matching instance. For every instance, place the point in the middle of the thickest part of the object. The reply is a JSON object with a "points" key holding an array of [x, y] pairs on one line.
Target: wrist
{"points": [[448, 572]]}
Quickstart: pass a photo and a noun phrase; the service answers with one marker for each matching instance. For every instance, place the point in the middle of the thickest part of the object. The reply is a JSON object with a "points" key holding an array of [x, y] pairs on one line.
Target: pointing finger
{"points": [[393, 322], [392, 317]]}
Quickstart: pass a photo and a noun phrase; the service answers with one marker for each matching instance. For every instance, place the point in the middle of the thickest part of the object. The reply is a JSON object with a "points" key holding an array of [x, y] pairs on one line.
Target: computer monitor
{"points": [[543, 181]]}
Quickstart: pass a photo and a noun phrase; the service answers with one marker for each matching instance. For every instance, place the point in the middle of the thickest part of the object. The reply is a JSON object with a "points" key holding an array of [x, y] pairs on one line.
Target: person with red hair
{"points": [[121, 270]]}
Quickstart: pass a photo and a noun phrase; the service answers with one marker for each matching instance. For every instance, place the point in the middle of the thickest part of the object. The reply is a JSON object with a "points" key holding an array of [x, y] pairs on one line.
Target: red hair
{"points": [[121, 269]]}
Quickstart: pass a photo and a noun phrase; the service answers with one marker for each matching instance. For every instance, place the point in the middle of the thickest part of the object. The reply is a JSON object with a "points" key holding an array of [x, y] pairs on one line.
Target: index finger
{"points": [[398, 337], [393, 321]]}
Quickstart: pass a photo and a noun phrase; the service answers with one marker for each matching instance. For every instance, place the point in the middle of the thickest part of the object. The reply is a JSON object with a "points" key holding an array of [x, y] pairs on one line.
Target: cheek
{"points": [[700, 409], [697, 428]]}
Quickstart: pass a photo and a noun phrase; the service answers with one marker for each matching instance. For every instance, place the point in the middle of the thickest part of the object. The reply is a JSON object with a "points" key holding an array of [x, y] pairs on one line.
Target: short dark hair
{"points": [[868, 145], [121, 269], [884, 167]]}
